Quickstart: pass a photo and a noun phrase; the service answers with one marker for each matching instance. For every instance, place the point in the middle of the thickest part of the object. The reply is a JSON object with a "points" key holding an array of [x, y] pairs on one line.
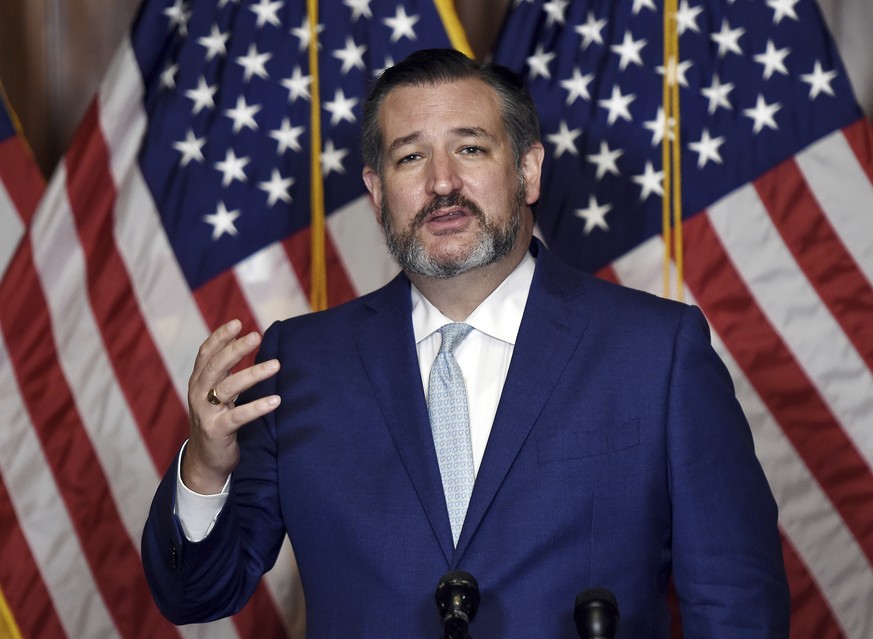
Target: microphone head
{"points": [[457, 596], [596, 614]]}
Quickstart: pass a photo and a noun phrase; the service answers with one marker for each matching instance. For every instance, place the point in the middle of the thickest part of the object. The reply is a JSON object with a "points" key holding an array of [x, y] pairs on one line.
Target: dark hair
{"points": [[430, 67]]}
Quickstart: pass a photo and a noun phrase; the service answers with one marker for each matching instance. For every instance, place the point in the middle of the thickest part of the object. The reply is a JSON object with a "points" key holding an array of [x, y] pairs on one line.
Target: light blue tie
{"points": [[450, 423]]}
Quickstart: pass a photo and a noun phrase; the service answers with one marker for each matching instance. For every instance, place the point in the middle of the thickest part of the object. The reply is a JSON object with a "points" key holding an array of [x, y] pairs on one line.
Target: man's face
{"points": [[451, 197]]}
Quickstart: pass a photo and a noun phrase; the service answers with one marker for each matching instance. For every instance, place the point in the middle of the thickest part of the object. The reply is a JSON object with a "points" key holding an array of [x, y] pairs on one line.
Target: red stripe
{"points": [[20, 579], [778, 379], [21, 177], [608, 273], [810, 614], [107, 548], [819, 253], [136, 363], [299, 250], [860, 138], [221, 300]]}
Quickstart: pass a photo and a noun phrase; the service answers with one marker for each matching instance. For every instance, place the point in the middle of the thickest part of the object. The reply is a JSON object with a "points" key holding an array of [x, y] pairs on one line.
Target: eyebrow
{"points": [[463, 132]]}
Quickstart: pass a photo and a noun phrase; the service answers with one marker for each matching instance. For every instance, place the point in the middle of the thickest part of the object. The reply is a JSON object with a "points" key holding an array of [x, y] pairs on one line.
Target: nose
{"points": [[444, 177]]}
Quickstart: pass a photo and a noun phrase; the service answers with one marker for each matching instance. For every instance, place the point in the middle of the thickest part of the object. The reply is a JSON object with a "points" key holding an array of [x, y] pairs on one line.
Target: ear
{"points": [[532, 169], [374, 186]]}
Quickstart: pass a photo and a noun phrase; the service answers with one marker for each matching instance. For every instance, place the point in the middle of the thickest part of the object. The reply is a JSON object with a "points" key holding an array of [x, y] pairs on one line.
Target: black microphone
{"points": [[457, 598], [596, 614]]}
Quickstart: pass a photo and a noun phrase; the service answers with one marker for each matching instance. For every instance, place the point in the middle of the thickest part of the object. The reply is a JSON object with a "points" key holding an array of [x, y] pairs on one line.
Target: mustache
{"points": [[446, 201]]}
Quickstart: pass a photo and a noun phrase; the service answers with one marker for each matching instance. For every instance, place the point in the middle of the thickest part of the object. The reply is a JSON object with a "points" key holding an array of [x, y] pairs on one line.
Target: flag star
{"points": [[590, 31], [288, 137], [539, 62], [651, 181], [332, 159], [676, 72], [594, 215], [340, 108], [267, 12], [179, 14], [352, 56], [202, 96], [686, 18], [277, 188], [303, 33], [617, 105], [819, 81], [707, 149], [215, 43], [556, 11], [639, 5], [728, 39], [359, 8], [223, 3], [564, 140], [190, 148], [762, 114], [773, 59], [222, 221], [401, 25], [243, 115], [783, 9], [629, 50], [659, 128], [577, 86], [605, 160], [232, 168], [168, 76], [297, 85], [254, 63], [717, 94]]}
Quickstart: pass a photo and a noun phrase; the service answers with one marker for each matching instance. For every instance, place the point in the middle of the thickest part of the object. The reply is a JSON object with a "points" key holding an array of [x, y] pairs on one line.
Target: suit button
{"points": [[173, 556]]}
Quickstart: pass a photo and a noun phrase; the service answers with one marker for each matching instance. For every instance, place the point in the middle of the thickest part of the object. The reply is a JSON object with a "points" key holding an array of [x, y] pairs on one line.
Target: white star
{"points": [[819, 81], [288, 137], [359, 8], [594, 215], [303, 34], [340, 108], [605, 160], [659, 128], [222, 221], [190, 148], [717, 93], [783, 9], [762, 114], [179, 14], [707, 149], [202, 96], [215, 43], [266, 12], [222, 3], [555, 12], [686, 18], [297, 85], [564, 140], [773, 60], [168, 76], [629, 50], [332, 159], [639, 5], [352, 56], [254, 63], [617, 105], [728, 39], [243, 115], [539, 62], [651, 181], [232, 168], [577, 86], [401, 25], [676, 72], [590, 31], [277, 188]]}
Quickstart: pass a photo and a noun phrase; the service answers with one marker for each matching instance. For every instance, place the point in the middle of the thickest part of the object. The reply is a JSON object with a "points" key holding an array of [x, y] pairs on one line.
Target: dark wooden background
{"points": [[53, 54]]}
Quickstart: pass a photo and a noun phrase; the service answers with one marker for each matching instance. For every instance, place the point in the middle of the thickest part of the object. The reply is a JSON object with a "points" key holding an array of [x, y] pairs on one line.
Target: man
{"points": [[607, 447]]}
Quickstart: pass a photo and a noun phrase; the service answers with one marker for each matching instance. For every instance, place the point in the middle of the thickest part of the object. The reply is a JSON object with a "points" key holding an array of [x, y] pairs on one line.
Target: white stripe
{"points": [[358, 240], [851, 24], [844, 192], [44, 519], [270, 286], [789, 302], [11, 228]]}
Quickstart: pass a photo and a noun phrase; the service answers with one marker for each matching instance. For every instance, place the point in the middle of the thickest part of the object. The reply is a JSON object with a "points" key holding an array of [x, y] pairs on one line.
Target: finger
{"points": [[221, 337], [230, 387], [219, 365], [238, 416]]}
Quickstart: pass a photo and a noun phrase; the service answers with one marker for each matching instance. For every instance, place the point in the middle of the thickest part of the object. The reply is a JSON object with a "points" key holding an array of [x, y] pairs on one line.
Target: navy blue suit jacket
{"points": [[618, 458]]}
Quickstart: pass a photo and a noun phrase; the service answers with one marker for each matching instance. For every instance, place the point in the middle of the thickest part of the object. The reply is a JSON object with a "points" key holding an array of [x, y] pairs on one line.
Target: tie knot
{"points": [[453, 334]]}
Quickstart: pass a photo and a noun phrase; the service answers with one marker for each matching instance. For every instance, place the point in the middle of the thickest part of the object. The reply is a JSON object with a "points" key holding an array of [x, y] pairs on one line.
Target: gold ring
{"points": [[212, 397]]}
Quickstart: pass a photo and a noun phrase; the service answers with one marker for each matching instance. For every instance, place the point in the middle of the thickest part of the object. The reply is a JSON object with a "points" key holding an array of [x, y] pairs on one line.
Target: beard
{"points": [[493, 242]]}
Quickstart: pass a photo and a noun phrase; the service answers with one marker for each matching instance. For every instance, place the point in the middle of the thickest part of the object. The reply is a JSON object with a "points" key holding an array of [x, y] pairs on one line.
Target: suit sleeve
{"points": [[727, 557]]}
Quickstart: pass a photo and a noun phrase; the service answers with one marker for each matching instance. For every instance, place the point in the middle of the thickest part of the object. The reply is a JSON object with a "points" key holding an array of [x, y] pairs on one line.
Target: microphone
{"points": [[596, 614], [457, 599]]}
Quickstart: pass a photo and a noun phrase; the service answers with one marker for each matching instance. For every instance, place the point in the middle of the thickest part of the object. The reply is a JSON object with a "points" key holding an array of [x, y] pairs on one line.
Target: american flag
{"points": [[777, 194]]}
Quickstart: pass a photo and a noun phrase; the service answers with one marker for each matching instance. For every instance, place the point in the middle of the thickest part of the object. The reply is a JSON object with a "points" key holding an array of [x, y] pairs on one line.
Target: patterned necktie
{"points": [[450, 423]]}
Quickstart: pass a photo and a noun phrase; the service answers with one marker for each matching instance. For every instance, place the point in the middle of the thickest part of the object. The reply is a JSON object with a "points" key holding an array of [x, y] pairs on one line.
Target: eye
{"points": [[472, 150], [406, 159]]}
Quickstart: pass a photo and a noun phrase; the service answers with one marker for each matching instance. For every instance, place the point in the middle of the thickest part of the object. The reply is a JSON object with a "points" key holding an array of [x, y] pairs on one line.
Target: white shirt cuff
{"points": [[197, 513]]}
